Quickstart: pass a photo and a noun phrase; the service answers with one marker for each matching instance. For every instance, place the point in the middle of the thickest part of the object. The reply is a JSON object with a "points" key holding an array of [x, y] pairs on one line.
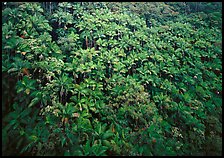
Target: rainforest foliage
{"points": [[112, 78]]}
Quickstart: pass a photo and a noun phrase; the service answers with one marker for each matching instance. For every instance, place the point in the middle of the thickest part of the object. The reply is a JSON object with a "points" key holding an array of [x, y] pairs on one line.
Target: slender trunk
{"points": [[50, 7], [196, 6], [206, 135], [185, 7], [91, 43], [86, 42], [94, 44]]}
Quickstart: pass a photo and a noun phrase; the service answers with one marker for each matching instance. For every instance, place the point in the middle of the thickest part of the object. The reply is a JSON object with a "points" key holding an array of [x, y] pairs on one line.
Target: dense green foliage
{"points": [[112, 78]]}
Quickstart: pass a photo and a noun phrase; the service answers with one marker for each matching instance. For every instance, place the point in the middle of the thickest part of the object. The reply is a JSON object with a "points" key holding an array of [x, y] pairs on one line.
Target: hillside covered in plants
{"points": [[112, 78]]}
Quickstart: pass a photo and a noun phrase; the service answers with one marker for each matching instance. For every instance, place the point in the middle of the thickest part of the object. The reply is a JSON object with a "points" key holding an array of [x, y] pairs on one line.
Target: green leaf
{"points": [[106, 143], [63, 140], [33, 102], [12, 70], [67, 153], [25, 112], [107, 135]]}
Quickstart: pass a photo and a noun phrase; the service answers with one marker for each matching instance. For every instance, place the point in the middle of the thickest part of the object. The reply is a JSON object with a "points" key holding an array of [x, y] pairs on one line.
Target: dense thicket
{"points": [[112, 78]]}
